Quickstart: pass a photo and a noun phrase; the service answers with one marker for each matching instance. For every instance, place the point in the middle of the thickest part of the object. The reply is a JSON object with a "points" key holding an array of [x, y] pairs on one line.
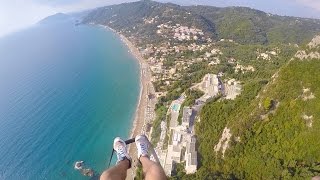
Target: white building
{"points": [[176, 138], [173, 156], [191, 157], [187, 113], [210, 86]]}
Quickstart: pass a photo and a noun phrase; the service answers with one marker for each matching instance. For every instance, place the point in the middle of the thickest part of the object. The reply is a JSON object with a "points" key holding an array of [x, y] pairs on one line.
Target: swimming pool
{"points": [[176, 107]]}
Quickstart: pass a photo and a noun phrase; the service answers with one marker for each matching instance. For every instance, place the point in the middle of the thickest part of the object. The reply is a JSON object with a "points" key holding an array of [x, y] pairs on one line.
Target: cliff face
{"points": [[315, 42], [311, 51]]}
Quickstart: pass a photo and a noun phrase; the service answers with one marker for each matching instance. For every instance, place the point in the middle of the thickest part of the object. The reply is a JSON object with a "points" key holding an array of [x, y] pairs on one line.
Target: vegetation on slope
{"points": [[249, 26], [274, 143]]}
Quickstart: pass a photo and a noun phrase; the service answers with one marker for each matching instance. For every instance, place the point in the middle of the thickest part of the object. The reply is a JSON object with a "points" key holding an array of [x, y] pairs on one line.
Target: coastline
{"points": [[139, 119]]}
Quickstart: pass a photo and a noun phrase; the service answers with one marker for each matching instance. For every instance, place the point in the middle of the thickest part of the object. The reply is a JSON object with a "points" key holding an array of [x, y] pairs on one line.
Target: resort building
{"points": [[173, 156], [176, 138], [163, 126], [191, 157], [186, 118], [210, 84]]}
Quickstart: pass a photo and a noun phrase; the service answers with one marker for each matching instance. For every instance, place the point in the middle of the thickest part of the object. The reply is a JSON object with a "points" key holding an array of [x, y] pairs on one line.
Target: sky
{"points": [[18, 14]]}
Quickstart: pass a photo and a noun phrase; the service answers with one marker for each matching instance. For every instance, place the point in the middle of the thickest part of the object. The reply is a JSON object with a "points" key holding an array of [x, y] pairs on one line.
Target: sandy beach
{"points": [[138, 122], [139, 119], [140, 115]]}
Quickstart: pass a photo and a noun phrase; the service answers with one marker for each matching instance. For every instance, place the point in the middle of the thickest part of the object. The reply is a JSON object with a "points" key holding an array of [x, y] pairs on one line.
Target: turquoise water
{"points": [[65, 92]]}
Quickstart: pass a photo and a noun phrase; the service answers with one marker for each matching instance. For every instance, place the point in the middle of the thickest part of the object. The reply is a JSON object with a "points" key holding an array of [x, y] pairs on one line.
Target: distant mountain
{"points": [[75, 17], [244, 25]]}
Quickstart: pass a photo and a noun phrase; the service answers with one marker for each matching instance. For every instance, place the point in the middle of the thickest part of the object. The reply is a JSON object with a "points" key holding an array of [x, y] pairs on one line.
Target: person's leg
{"points": [[118, 172], [151, 170]]}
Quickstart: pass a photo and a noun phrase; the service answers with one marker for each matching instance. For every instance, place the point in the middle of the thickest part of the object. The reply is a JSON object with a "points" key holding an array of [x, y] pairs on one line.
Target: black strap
{"points": [[110, 158], [129, 141]]}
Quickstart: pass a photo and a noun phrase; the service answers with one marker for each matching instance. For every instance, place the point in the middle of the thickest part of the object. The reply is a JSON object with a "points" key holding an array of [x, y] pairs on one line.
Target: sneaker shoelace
{"points": [[143, 148], [121, 152]]}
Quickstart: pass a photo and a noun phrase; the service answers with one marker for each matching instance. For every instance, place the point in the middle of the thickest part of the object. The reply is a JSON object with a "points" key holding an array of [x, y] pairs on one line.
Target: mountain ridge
{"points": [[244, 25]]}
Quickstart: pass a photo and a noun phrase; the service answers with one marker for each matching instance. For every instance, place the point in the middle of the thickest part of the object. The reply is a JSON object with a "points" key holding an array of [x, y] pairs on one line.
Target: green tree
{"points": [[267, 104]]}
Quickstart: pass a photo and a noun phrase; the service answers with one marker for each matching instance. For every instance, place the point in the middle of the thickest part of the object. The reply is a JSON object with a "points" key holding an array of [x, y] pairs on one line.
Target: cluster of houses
{"points": [[243, 69], [157, 57], [179, 32], [267, 55], [183, 33], [151, 20]]}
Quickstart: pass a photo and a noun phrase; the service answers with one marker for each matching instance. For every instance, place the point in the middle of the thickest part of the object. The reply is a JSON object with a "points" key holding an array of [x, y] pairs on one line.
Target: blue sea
{"points": [[65, 92]]}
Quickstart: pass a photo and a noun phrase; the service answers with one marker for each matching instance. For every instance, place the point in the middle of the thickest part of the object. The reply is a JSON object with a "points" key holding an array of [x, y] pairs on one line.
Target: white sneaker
{"points": [[121, 149], [142, 145]]}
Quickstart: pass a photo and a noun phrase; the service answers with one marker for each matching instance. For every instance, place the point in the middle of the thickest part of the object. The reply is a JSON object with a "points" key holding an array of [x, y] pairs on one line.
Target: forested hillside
{"points": [[140, 19], [275, 132], [244, 25]]}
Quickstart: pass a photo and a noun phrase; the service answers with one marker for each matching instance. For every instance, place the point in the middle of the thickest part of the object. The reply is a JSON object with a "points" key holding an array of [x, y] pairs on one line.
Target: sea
{"points": [[66, 91]]}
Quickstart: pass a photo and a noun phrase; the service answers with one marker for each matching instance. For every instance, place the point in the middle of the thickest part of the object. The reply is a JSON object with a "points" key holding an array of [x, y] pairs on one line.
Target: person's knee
{"points": [[106, 175], [154, 171]]}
